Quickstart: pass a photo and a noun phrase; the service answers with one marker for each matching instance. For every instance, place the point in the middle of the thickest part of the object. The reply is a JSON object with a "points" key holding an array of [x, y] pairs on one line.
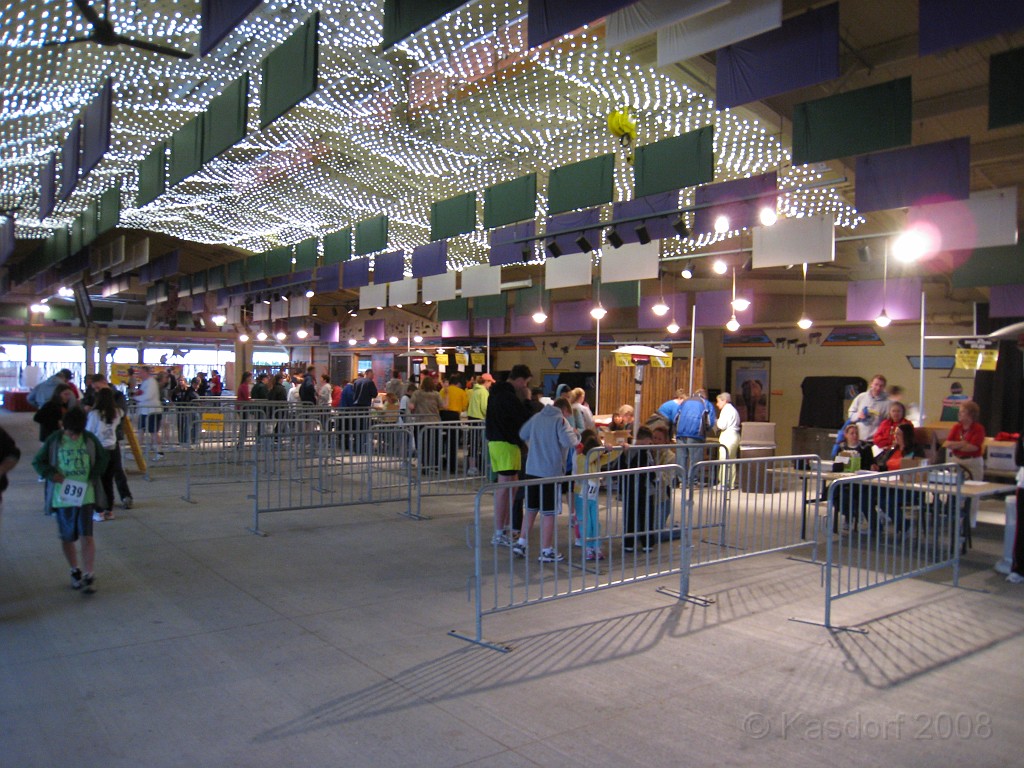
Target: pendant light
{"points": [[804, 322], [883, 319]]}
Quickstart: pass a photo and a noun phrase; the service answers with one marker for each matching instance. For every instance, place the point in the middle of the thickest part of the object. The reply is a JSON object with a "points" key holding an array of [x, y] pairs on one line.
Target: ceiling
{"points": [[373, 140]]}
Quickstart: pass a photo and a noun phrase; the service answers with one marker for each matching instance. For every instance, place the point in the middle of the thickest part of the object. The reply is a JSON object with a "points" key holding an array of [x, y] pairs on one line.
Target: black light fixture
{"points": [[864, 253], [642, 234], [679, 225], [584, 244], [614, 237], [266, 299], [527, 251], [554, 248]]}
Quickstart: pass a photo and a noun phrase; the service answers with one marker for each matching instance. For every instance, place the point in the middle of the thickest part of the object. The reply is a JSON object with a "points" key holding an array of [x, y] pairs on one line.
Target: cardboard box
{"points": [[999, 456]]}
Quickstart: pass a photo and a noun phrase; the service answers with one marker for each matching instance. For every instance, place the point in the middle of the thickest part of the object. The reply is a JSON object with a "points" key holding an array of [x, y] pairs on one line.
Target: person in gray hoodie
{"points": [[550, 436]]}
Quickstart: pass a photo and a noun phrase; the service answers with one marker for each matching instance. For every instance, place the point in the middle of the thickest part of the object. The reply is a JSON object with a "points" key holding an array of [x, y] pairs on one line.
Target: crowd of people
{"points": [[528, 437]]}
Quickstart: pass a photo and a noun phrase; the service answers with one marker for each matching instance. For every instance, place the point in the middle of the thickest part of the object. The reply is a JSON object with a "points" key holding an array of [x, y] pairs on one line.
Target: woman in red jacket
{"points": [[886, 432]]}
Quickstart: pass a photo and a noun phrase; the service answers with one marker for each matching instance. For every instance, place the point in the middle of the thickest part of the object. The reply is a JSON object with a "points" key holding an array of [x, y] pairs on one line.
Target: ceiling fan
{"points": [[103, 32]]}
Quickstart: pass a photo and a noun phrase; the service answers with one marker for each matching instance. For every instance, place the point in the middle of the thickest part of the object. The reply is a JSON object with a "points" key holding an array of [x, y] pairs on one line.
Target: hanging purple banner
{"points": [[524, 324], [946, 24], [802, 52], [1006, 301], [355, 273], [48, 188], [578, 221], [454, 329], [504, 251], [70, 155], [430, 259], [388, 267], [678, 310], [548, 19], [328, 277], [658, 227], [218, 18], [900, 297], [567, 316], [713, 308], [932, 173], [96, 127], [6, 237], [374, 329], [740, 201]]}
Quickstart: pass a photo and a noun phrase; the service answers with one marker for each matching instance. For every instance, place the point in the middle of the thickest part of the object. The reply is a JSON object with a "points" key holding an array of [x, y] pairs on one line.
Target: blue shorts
{"points": [[73, 522], [150, 422]]}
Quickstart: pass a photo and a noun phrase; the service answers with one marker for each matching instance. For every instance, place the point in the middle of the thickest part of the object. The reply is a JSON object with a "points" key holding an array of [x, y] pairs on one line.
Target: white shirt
{"points": [[148, 397], [877, 410], [729, 418]]}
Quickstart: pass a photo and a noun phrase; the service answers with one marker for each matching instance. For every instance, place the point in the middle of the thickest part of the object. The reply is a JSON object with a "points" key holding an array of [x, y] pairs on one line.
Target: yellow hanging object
{"points": [[620, 124]]}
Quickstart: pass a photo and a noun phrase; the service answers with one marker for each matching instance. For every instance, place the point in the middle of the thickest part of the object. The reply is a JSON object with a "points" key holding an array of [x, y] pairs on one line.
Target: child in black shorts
{"points": [[72, 461]]}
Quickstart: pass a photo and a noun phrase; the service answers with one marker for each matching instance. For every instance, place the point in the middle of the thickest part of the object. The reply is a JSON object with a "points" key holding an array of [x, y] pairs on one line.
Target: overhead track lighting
{"points": [[614, 238], [642, 234], [679, 225], [554, 248], [687, 272]]}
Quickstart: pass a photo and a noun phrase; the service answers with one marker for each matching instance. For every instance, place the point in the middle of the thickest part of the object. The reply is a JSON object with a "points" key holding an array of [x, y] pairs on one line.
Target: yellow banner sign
{"points": [[442, 360], [625, 359], [478, 358], [461, 358], [977, 354]]}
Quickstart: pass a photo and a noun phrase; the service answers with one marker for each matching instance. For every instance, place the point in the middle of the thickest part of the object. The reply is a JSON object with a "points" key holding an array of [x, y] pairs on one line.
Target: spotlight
{"points": [[554, 248], [286, 296], [720, 267], [722, 224], [768, 216], [584, 244], [265, 299], [219, 320], [598, 312], [301, 333], [679, 225], [614, 237], [261, 336], [372, 340], [392, 339], [310, 293], [352, 342], [243, 337], [417, 339], [909, 246], [353, 312], [642, 234], [687, 272]]}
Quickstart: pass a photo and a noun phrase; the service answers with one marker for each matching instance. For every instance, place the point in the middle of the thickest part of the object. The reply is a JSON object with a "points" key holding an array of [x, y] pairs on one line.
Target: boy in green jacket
{"points": [[72, 461]]}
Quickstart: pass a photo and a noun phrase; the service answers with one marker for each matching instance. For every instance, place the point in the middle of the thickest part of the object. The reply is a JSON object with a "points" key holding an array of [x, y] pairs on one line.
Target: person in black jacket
{"points": [[9, 456], [1017, 569], [49, 416], [506, 413]]}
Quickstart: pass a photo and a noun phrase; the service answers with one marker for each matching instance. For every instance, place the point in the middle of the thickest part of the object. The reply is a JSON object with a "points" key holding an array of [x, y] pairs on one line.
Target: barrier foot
{"points": [[190, 501], [257, 532], [700, 600], [479, 641], [830, 628]]}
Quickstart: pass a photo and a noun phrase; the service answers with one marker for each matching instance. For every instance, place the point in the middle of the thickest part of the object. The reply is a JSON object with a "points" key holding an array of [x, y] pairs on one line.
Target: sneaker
{"points": [[519, 550], [595, 554], [159, 455], [1015, 578], [76, 578], [108, 514], [127, 502], [97, 517], [647, 548], [550, 556], [499, 539], [87, 583]]}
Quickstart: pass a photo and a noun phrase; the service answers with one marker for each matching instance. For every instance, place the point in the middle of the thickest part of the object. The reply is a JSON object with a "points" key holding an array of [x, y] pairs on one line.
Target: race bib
{"points": [[71, 493]]}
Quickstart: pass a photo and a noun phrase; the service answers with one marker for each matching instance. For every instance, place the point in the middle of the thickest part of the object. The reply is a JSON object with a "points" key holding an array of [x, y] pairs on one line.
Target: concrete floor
{"points": [[325, 644]]}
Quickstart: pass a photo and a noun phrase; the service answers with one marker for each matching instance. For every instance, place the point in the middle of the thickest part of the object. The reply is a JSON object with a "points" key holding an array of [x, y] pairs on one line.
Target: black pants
{"points": [[115, 474]]}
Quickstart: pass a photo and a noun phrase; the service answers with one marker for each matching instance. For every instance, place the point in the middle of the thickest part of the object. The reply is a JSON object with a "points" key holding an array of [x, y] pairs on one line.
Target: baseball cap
{"points": [[486, 377]]}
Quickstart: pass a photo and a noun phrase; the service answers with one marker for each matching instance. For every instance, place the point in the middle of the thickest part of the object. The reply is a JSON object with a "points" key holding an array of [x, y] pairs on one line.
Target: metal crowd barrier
{"points": [[309, 468], [891, 526], [451, 457], [632, 530]]}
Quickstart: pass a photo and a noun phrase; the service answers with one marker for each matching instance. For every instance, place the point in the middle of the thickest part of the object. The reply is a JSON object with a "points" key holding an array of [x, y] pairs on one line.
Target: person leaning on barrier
{"points": [[640, 503], [550, 436], [506, 414], [43, 391], [694, 418], [181, 397]]}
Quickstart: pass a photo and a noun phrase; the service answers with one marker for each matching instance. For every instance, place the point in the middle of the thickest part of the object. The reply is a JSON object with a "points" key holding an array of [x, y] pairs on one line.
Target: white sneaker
{"points": [[97, 517], [550, 556], [499, 539], [1015, 578]]}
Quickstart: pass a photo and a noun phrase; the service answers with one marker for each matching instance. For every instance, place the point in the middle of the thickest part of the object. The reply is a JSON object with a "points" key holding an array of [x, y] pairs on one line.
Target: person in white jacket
{"points": [[550, 436], [728, 424]]}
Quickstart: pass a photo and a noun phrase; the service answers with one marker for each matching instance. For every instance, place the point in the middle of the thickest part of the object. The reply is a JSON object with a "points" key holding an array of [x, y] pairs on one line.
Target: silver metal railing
{"points": [[889, 526]]}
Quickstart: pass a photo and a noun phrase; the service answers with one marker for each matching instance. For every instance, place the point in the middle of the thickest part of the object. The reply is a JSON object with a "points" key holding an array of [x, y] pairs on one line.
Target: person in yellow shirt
{"points": [[456, 397]]}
